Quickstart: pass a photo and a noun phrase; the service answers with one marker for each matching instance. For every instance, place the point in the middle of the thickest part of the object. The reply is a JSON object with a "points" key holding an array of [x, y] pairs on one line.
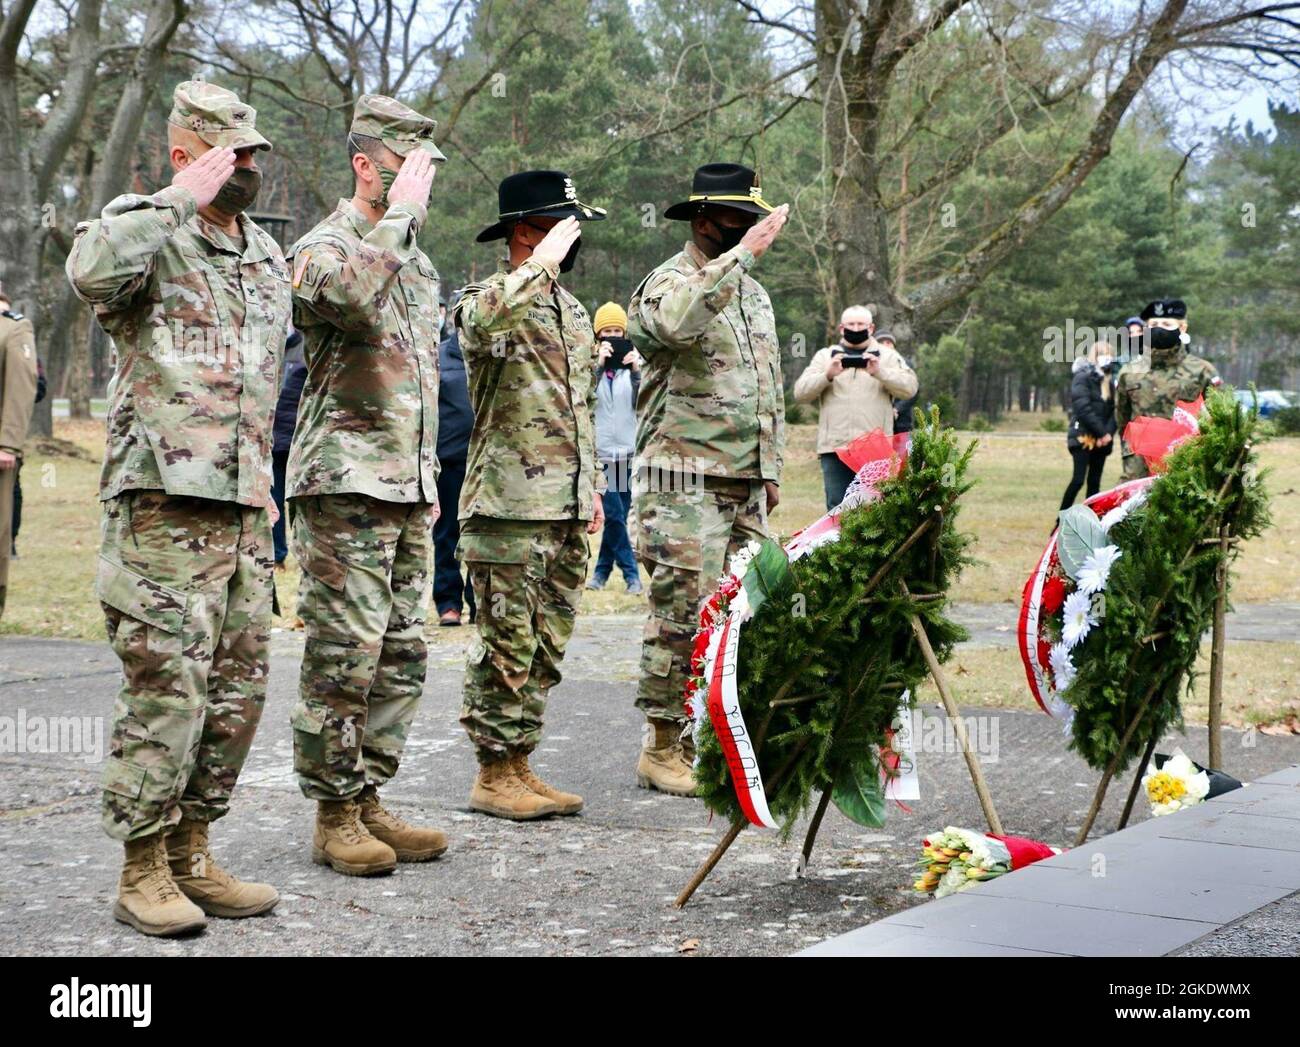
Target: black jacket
{"points": [[1090, 414], [455, 415], [286, 407]]}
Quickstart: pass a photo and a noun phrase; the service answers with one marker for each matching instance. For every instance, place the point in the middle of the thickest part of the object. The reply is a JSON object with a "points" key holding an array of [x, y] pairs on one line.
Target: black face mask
{"points": [[729, 236], [856, 337], [567, 262], [240, 191], [1164, 338]]}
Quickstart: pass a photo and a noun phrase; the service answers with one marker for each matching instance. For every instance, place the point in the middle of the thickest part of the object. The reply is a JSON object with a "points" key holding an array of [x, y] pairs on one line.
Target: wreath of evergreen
{"points": [[827, 656], [1134, 666]]}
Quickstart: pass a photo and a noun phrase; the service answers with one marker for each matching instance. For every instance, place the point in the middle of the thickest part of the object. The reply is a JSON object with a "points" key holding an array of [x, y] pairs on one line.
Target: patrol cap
{"points": [[398, 126], [1165, 309], [216, 115]]}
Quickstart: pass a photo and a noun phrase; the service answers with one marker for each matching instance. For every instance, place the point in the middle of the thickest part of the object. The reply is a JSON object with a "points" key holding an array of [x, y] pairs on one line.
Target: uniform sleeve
{"points": [[349, 289], [813, 381], [499, 304], [676, 308], [778, 433], [112, 257], [893, 373], [1123, 404], [18, 358]]}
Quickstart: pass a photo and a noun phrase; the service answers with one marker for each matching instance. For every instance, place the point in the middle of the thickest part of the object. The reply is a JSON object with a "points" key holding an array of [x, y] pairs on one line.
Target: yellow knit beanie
{"points": [[610, 314]]}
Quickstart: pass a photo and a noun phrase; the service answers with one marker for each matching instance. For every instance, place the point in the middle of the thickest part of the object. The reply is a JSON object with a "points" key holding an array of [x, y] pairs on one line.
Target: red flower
{"points": [[1044, 654], [697, 655], [1053, 594]]}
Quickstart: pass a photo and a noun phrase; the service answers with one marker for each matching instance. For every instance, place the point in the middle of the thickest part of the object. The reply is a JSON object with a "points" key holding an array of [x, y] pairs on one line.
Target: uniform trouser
{"points": [[685, 540], [1135, 467], [363, 599], [8, 478], [185, 584], [527, 577]]}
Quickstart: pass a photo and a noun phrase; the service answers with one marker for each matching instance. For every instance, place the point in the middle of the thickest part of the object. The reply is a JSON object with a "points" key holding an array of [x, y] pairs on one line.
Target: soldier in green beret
{"points": [[710, 436], [362, 477], [196, 298]]}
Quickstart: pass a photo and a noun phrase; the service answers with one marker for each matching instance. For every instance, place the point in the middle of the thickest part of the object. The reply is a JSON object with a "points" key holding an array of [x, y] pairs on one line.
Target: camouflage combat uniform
{"points": [[362, 477], [530, 480], [710, 431], [17, 397], [185, 563], [1152, 385]]}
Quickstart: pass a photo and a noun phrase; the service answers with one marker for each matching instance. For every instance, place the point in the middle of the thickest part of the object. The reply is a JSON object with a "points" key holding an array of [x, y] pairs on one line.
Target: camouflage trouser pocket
{"points": [[308, 723], [158, 716]]}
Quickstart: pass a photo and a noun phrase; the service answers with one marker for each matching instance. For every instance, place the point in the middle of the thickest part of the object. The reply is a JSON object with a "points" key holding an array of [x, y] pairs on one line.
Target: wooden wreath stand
{"points": [[949, 705], [1225, 540]]}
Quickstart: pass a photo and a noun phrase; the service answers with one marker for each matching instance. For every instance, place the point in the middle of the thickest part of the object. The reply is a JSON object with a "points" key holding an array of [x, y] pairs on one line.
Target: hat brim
{"points": [[405, 148], [582, 212], [236, 138], [687, 209]]}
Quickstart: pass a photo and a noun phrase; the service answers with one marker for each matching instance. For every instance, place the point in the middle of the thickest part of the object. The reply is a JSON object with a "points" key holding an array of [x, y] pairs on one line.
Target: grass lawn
{"points": [[1021, 475]]}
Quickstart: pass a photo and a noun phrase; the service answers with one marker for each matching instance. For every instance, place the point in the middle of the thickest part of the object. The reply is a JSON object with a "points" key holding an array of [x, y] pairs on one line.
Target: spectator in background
{"points": [[1090, 435], [854, 385], [286, 417], [455, 420], [618, 378], [902, 407]]}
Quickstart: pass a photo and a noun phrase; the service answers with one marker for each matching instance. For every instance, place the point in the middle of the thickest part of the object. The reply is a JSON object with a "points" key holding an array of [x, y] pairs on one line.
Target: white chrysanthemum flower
{"points": [[1078, 618], [1063, 671], [1095, 569], [1122, 510]]}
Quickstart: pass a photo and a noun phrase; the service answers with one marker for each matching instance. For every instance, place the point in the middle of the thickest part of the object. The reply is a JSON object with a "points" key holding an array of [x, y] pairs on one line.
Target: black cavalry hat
{"points": [[733, 185], [537, 194], [1165, 308]]}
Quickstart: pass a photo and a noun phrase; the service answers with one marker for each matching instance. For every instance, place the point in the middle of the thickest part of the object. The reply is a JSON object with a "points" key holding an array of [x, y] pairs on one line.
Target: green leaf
{"points": [[767, 572], [1081, 534], [858, 792]]}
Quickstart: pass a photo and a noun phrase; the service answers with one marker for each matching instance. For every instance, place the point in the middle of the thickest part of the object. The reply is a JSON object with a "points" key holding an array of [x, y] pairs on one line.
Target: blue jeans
{"points": [[615, 546], [836, 476], [449, 589]]}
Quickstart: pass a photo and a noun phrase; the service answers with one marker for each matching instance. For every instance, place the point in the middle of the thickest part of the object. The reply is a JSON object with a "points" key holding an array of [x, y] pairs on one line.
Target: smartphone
{"points": [[618, 358]]}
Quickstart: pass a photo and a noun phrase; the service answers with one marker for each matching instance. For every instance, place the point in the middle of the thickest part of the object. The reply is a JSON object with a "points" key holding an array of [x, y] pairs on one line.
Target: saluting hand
{"points": [[761, 234], [414, 180], [551, 251], [205, 175]]}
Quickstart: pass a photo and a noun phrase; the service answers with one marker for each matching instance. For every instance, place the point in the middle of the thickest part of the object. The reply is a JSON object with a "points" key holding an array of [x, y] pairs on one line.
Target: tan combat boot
{"points": [[409, 843], [663, 764], [147, 896], [498, 791], [206, 883], [565, 803], [342, 841]]}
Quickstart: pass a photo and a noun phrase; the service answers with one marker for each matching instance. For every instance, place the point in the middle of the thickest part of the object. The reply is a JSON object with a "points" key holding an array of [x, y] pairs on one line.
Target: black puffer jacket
{"points": [[1090, 414]]}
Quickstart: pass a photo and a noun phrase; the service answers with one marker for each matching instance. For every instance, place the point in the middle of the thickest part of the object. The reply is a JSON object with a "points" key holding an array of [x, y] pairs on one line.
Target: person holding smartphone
{"points": [[854, 385], [618, 378]]}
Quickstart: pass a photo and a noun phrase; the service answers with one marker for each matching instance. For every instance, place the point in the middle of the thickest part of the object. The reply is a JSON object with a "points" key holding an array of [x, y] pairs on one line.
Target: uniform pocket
{"points": [[495, 548], [656, 661], [323, 563], [139, 598], [307, 718], [124, 779]]}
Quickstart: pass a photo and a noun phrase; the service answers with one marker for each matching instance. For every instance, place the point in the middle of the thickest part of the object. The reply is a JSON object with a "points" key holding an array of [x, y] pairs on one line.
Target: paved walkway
{"points": [[1168, 885], [598, 884]]}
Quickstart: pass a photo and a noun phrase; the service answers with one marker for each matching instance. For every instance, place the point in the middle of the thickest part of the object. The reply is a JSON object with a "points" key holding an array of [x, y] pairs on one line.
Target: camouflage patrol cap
{"points": [[216, 115], [398, 126]]}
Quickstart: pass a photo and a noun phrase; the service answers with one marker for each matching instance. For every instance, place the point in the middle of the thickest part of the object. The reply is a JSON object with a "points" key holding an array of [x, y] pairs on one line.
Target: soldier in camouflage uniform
{"points": [[363, 475], [710, 434], [531, 485], [17, 398], [196, 298], [1166, 373]]}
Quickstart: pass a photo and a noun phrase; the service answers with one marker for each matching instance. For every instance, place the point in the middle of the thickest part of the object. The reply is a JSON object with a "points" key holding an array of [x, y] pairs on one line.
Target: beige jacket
{"points": [[17, 380], [855, 402]]}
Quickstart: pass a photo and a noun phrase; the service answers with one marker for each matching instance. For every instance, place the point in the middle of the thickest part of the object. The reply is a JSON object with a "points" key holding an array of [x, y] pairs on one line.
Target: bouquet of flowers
{"points": [[957, 859], [1175, 782]]}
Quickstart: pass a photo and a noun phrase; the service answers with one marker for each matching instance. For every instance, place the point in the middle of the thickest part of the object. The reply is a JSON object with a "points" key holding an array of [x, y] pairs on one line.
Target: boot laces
{"points": [[349, 824], [157, 881]]}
